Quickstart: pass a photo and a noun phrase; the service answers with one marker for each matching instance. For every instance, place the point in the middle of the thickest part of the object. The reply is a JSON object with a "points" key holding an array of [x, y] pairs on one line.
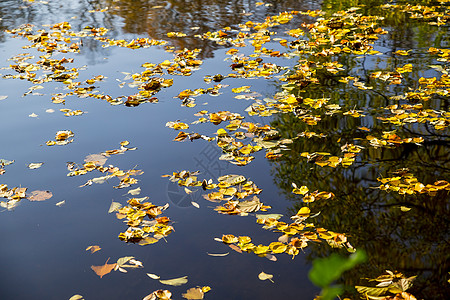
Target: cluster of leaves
{"points": [[295, 236], [3, 163], [139, 230], [408, 114], [62, 138], [191, 294], [322, 159], [12, 195], [97, 161], [404, 182], [234, 149], [122, 264], [391, 283]]}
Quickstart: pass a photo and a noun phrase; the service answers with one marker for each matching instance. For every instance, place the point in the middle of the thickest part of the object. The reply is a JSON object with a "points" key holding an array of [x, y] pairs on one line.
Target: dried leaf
{"points": [[265, 276], [153, 276], [104, 269], [99, 159], [61, 203], [175, 281], [40, 195], [194, 294], [34, 165], [115, 206], [93, 248], [135, 192], [195, 204], [217, 254], [76, 297]]}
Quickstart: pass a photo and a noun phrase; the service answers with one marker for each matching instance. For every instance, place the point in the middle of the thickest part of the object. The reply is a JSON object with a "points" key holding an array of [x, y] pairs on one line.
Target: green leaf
{"points": [[328, 269]]}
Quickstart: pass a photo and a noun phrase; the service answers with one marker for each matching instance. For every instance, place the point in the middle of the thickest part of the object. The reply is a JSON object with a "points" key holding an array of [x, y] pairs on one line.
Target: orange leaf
{"points": [[104, 269], [93, 249]]}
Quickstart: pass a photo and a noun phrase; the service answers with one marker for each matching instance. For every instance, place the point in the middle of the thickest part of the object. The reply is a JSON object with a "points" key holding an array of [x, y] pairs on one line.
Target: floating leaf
{"points": [[76, 297], [194, 294], [135, 192], [175, 281], [61, 203], [104, 269], [3, 97], [159, 295], [93, 248], [34, 165], [153, 276], [195, 204], [218, 254], [265, 276], [115, 206]]}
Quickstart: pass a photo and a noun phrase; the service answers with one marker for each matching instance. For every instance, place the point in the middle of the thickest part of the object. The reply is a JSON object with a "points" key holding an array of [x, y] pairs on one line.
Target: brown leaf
{"points": [[40, 195], [194, 294], [235, 248], [93, 248], [104, 269]]}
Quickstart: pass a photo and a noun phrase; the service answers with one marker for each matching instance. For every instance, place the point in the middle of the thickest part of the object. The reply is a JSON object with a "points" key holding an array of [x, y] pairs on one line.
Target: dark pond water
{"points": [[43, 244]]}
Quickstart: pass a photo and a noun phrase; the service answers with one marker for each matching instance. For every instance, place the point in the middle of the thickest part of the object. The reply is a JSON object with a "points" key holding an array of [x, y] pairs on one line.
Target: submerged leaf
{"points": [[40, 195]]}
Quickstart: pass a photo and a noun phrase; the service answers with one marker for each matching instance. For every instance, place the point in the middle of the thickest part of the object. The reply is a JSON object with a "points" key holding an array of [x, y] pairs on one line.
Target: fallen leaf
{"points": [[34, 165], [104, 269], [195, 204], [175, 281], [135, 192], [265, 276], [3, 97], [40, 195], [115, 206], [93, 248], [100, 159], [153, 276], [50, 111], [217, 254], [76, 297], [33, 115], [235, 248], [61, 203], [159, 294], [193, 294]]}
